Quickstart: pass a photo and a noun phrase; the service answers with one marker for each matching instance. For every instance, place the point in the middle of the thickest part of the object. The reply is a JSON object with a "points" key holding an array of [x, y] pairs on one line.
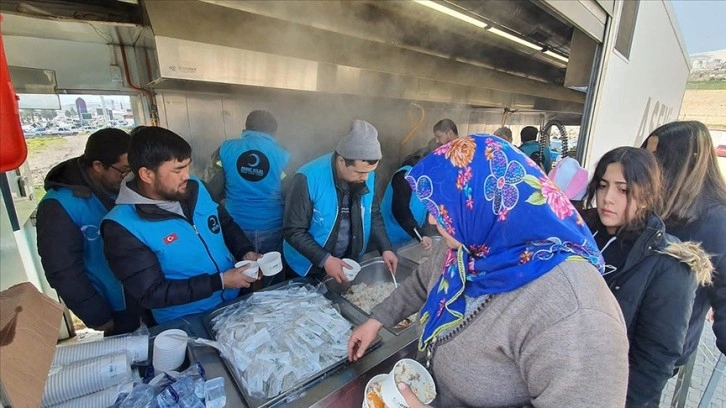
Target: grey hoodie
{"points": [[128, 195]]}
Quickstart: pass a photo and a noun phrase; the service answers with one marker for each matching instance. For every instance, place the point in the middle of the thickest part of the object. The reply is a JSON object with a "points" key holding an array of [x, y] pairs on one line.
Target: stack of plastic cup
{"points": [[105, 398], [136, 346], [86, 377], [170, 348]]}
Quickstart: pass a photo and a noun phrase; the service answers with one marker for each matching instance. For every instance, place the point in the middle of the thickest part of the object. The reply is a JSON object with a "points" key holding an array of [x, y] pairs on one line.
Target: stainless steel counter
{"points": [[342, 387]]}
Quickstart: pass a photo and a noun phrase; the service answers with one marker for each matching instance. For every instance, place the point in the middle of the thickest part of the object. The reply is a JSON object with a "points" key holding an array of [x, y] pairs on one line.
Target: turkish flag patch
{"points": [[170, 238]]}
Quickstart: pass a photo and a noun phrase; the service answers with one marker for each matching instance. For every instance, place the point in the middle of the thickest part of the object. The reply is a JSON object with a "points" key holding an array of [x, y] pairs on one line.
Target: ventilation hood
{"points": [[226, 45]]}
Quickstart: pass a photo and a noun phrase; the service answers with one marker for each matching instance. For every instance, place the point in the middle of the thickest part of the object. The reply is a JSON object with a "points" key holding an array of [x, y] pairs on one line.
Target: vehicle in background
{"points": [[64, 131], [721, 150], [30, 133]]}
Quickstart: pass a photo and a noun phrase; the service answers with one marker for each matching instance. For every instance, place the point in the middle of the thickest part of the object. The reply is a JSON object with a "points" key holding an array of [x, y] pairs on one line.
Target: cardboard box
{"points": [[29, 325]]}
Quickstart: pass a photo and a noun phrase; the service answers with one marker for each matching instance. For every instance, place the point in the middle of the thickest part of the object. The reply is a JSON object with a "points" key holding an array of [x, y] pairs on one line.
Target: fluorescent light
{"points": [[453, 13], [556, 56], [514, 38], [463, 17]]}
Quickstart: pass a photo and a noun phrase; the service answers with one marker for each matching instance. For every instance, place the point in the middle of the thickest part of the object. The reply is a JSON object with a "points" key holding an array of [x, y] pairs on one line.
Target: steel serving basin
{"points": [[372, 271]]}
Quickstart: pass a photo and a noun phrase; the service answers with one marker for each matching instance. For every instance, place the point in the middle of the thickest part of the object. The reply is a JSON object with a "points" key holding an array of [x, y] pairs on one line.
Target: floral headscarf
{"points": [[514, 223]]}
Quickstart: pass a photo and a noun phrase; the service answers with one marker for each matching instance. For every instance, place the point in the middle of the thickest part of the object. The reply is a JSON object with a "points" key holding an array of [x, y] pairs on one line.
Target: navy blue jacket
{"points": [[71, 249], [655, 288], [142, 272], [710, 230]]}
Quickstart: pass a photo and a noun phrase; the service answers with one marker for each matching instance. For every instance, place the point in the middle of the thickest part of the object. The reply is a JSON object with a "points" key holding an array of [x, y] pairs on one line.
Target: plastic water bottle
{"points": [[139, 397], [214, 396]]}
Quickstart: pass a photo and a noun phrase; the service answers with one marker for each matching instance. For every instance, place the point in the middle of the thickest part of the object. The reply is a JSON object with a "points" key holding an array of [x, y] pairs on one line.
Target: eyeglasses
{"points": [[123, 173]]}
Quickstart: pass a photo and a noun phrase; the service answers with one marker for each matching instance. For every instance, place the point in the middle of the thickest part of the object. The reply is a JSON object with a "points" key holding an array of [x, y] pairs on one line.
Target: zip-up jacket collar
{"points": [[72, 175], [151, 209]]}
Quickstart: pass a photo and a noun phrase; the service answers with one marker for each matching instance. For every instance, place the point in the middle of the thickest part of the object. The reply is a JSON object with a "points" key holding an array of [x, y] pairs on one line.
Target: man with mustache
{"points": [[330, 213], [167, 241]]}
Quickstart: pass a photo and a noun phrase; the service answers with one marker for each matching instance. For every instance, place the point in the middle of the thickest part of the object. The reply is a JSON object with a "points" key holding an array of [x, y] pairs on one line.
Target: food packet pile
{"points": [[278, 339]]}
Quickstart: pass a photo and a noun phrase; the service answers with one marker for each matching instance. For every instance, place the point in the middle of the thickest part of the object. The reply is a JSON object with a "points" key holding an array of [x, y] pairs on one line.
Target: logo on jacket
{"points": [[253, 165], [213, 224], [170, 238], [90, 232]]}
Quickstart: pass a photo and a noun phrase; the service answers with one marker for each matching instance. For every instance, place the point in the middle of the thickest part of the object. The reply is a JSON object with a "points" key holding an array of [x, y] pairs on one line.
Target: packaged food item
{"points": [[278, 339]]}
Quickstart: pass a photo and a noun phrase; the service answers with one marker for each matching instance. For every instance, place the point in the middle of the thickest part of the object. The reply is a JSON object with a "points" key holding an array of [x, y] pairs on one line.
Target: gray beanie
{"points": [[361, 142]]}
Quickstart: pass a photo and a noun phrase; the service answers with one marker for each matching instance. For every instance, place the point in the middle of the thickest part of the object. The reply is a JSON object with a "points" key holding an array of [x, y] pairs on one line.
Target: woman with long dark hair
{"points": [[514, 311], [652, 275], [694, 197]]}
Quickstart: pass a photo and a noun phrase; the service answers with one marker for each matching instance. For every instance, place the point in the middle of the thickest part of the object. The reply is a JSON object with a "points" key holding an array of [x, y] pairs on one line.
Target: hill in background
{"points": [[705, 97]]}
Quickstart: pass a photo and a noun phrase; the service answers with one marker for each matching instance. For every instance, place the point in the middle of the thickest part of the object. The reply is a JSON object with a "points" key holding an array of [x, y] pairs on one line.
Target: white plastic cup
{"points": [[389, 389], [270, 263], [375, 381], [85, 377], [253, 271], [170, 348], [137, 347], [351, 272]]}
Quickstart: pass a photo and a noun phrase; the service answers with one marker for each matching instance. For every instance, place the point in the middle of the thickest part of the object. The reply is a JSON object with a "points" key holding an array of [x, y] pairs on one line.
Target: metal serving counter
{"points": [[343, 386]]}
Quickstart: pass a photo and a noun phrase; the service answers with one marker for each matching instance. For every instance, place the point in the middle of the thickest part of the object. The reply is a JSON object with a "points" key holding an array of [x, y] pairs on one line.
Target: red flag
{"points": [[13, 151]]}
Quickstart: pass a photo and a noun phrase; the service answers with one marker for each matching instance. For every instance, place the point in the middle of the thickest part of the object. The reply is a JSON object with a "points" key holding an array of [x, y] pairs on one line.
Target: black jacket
{"points": [[299, 213], [401, 201], [138, 268], [710, 231], [655, 287], [60, 246]]}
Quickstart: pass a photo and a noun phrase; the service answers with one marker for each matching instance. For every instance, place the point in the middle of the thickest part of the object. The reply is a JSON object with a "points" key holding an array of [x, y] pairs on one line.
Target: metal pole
{"points": [[683, 383], [105, 114], [713, 382]]}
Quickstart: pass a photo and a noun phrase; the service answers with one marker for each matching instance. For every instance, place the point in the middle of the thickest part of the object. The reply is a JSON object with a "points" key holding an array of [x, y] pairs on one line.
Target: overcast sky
{"points": [[703, 23]]}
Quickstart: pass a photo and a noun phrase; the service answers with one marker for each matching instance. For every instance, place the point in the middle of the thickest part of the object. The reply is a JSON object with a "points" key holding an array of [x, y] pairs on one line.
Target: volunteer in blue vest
{"points": [[530, 146], [80, 192], [330, 212], [403, 213], [167, 241], [246, 174]]}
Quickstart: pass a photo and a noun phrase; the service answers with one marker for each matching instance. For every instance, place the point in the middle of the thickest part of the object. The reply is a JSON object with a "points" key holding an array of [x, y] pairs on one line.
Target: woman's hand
{"points": [[411, 400], [362, 337]]}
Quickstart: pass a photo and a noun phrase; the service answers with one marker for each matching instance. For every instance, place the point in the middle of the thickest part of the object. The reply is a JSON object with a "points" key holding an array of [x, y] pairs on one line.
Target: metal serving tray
{"points": [[372, 271], [346, 310], [415, 253]]}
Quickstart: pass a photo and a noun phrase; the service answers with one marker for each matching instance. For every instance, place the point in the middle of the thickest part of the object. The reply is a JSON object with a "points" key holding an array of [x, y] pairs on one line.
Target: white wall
{"points": [[639, 94]]}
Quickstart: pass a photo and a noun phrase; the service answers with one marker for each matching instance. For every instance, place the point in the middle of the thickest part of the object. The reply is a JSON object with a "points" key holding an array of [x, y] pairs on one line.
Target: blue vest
{"points": [[323, 195], [418, 209], [183, 250], [87, 214], [253, 167]]}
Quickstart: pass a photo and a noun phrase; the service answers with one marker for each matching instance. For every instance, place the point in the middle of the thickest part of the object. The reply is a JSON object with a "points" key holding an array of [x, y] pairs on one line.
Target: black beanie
{"points": [[106, 145]]}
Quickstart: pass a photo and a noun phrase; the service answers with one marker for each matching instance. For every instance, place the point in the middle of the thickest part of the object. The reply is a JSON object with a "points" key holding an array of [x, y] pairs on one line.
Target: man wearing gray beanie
{"points": [[330, 212]]}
